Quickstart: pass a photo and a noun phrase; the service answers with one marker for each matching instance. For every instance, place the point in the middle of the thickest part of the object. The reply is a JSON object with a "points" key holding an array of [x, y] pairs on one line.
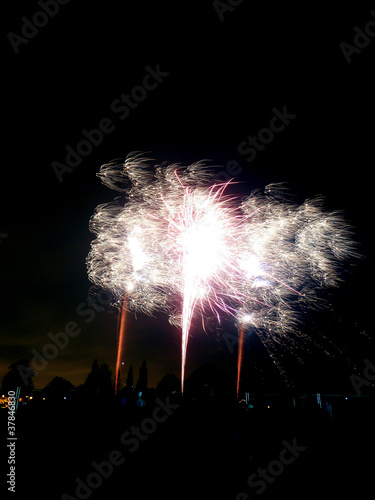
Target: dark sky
{"points": [[221, 81]]}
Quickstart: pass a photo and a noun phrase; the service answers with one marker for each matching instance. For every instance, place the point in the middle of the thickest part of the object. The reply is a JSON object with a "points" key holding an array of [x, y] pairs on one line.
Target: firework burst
{"points": [[175, 242]]}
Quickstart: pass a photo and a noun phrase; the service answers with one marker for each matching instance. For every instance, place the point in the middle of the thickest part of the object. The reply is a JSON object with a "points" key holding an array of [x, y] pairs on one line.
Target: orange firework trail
{"points": [[241, 334], [121, 336]]}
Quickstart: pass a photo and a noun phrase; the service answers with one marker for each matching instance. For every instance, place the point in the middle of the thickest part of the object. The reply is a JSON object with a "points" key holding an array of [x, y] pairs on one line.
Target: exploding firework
{"points": [[175, 242]]}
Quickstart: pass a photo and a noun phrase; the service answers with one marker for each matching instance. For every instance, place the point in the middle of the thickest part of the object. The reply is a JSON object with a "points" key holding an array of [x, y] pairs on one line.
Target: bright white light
{"points": [[246, 319], [251, 266], [138, 255]]}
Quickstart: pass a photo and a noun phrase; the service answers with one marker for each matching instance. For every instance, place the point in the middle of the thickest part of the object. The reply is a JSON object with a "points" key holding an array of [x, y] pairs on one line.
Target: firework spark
{"points": [[177, 243]]}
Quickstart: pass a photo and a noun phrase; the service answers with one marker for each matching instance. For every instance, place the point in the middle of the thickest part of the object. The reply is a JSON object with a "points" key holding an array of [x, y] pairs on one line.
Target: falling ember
{"points": [[175, 243], [121, 336]]}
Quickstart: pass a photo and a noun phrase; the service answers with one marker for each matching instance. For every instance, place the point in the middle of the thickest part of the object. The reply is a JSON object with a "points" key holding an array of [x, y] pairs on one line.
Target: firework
{"points": [[175, 242], [241, 333], [244, 319], [120, 342]]}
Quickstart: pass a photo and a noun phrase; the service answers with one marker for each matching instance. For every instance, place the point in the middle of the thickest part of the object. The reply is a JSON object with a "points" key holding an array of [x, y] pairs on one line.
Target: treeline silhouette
{"points": [[98, 386]]}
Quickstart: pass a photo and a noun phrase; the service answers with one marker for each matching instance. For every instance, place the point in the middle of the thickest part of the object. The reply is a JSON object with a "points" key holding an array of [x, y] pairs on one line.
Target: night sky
{"points": [[219, 82]]}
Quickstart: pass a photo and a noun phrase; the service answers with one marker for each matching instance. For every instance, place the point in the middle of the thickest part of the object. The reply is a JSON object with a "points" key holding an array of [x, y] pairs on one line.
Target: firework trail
{"points": [[243, 321], [175, 242], [120, 342], [241, 334]]}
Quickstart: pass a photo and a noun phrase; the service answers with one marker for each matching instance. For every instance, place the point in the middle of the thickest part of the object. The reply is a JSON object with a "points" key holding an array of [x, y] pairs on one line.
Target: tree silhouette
{"points": [[130, 379], [143, 378], [169, 383], [57, 389], [99, 383], [19, 375], [202, 378]]}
